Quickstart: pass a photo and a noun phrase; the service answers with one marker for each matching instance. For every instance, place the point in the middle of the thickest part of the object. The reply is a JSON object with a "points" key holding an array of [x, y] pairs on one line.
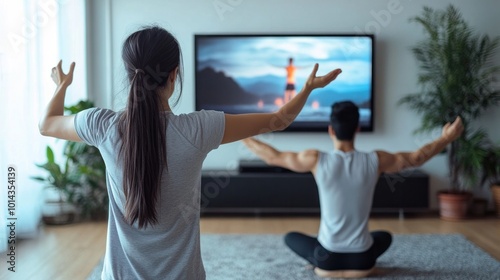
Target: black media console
{"points": [[258, 188]]}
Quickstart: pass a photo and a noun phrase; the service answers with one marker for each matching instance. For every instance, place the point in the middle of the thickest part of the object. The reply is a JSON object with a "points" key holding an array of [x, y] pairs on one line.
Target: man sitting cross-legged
{"points": [[346, 180]]}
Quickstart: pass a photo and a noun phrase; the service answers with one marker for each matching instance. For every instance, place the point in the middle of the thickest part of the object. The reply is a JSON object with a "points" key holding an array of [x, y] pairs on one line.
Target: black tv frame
{"points": [[292, 127]]}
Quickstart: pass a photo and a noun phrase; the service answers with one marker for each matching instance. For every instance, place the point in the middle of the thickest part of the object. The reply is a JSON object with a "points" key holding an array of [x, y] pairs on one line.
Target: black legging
{"points": [[310, 249]]}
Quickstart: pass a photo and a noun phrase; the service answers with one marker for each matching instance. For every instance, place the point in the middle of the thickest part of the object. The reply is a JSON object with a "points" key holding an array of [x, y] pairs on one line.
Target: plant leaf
{"points": [[38, 178], [50, 155]]}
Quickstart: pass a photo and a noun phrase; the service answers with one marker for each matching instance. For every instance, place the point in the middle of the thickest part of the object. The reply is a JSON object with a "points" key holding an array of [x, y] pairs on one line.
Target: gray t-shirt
{"points": [[346, 182], [170, 249]]}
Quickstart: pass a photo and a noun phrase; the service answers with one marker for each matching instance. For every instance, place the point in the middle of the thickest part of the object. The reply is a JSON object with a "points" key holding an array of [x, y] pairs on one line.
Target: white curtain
{"points": [[34, 35]]}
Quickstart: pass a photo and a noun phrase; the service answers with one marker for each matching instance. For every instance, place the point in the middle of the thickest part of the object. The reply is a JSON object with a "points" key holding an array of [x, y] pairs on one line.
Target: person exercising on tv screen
{"points": [[290, 90], [290, 81], [346, 180]]}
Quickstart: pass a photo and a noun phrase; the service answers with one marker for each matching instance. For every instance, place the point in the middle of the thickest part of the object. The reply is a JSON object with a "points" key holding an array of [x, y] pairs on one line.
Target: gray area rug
{"points": [[416, 256]]}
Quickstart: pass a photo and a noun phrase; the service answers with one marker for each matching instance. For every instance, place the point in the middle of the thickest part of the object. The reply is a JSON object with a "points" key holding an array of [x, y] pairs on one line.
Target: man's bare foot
{"points": [[343, 273]]}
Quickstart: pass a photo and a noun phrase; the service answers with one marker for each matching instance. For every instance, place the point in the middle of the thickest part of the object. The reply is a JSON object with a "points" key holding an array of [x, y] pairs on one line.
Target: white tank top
{"points": [[346, 182]]}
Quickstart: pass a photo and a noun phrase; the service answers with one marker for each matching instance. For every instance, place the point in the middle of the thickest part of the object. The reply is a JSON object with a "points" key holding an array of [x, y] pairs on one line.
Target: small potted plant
{"points": [[456, 72], [58, 209]]}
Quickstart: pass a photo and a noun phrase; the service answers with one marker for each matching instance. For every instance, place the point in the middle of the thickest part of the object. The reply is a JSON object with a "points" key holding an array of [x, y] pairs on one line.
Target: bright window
{"points": [[34, 35]]}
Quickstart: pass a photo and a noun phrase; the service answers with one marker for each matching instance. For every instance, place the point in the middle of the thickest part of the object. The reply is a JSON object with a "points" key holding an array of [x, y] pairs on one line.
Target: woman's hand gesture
{"points": [[314, 82], [61, 79]]}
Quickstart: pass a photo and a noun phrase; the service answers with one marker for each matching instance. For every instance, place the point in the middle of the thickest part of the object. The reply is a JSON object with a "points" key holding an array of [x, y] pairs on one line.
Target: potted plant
{"points": [[59, 209], [455, 74]]}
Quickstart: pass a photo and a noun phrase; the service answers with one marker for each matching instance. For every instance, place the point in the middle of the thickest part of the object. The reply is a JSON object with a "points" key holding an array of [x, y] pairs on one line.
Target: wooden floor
{"points": [[72, 251]]}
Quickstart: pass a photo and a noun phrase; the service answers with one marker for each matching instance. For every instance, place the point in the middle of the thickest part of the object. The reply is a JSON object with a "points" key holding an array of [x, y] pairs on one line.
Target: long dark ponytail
{"points": [[150, 56]]}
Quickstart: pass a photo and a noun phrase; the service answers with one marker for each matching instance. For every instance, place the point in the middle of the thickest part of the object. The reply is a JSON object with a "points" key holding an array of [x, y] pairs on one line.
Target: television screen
{"points": [[260, 73]]}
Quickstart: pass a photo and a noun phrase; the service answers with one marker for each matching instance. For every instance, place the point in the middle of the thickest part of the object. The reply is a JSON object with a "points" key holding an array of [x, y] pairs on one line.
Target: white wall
{"points": [[395, 74]]}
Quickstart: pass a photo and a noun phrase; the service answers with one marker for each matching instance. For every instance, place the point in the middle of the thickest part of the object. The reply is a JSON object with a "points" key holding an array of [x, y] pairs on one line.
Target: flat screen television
{"points": [[259, 73]]}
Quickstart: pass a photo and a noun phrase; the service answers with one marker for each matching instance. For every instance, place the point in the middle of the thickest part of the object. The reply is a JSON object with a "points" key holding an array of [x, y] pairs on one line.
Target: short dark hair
{"points": [[344, 120]]}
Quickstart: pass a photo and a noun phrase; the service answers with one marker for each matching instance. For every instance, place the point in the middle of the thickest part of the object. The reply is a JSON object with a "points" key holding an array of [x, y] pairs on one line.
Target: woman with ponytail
{"points": [[154, 157]]}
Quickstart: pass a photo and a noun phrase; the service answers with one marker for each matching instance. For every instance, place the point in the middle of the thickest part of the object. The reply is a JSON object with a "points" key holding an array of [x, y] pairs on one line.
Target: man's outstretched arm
{"points": [[304, 161], [391, 163]]}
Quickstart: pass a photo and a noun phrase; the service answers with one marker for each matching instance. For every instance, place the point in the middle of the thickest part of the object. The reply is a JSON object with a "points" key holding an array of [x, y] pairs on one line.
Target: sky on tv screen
{"points": [[257, 66]]}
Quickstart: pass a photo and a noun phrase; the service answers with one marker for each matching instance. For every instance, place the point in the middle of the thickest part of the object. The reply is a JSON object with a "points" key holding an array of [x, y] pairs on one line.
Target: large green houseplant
{"points": [[82, 181], [59, 208], [456, 71]]}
